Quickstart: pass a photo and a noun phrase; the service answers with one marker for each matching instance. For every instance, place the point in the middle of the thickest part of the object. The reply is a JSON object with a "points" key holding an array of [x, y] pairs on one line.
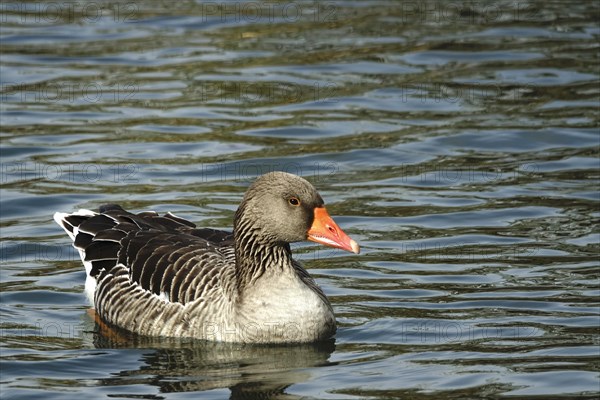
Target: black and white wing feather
{"points": [[145, 271]]}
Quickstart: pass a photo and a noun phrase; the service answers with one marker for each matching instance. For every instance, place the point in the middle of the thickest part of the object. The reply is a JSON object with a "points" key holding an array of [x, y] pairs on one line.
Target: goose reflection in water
{"points": [[186, 365]]}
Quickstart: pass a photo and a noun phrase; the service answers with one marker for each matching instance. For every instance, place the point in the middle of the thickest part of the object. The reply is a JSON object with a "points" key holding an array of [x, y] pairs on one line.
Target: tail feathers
{"points": [[70, 222], [94, 236]]}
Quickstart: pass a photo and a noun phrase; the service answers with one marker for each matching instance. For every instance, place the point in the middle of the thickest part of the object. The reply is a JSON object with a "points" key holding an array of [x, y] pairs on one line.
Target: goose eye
{"points": [[294, 201]]}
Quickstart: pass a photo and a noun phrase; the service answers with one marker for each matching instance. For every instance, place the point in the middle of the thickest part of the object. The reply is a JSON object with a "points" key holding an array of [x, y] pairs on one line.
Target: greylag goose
{"points": [[161, 276]]}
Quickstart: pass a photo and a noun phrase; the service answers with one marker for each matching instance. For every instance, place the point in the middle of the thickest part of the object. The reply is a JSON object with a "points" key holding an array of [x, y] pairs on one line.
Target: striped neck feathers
{"points": [[256, 253]]}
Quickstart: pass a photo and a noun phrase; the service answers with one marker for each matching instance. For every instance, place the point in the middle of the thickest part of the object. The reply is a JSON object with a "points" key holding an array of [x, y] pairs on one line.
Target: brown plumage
{"points": [[161, 276]]}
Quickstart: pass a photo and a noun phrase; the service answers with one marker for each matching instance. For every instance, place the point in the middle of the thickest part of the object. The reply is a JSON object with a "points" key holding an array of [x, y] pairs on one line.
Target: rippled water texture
{"points": [[458, 142]]}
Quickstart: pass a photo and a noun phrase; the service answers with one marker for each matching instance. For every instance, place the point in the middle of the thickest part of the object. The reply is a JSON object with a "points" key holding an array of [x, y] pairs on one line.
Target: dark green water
{"points": [[458, 142]]}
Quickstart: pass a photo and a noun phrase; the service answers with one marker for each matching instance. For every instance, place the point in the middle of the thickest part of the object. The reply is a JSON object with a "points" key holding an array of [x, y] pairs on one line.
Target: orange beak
{"points": [[325, 231]]}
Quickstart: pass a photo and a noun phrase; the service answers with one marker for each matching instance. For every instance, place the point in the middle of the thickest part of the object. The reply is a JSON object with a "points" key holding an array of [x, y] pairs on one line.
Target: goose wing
{"points": [[164, 255]]}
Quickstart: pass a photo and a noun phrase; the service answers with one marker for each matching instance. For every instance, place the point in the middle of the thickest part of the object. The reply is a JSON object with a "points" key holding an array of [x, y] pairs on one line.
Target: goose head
{"points": [[281, 208]]}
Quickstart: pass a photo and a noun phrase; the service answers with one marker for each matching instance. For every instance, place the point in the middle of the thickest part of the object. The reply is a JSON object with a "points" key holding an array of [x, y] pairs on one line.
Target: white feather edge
{"points": [[90, 282]]}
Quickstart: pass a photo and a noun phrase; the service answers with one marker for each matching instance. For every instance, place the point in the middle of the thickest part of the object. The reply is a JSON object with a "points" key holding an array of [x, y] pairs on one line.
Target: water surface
{"points": [[457, 142]]}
